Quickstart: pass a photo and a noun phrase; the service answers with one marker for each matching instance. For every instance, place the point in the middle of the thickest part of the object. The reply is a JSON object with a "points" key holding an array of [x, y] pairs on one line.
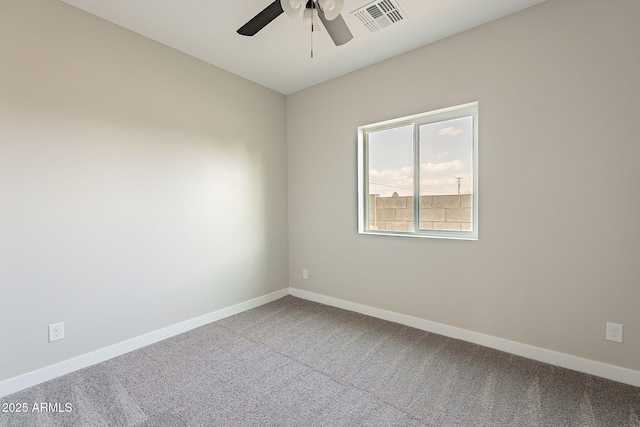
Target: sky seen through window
{"points": [[446, 159]]}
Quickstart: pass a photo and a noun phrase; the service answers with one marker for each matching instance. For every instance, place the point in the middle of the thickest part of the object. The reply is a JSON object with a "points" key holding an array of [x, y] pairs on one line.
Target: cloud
{"points": [[388, 181], [391, 174], [442, 154], [446, 185], [454, 165], [449, 131], [391, 180]]}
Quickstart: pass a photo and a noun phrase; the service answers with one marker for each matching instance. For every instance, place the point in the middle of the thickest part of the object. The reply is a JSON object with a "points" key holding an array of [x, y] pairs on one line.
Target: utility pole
{"points": [[459, 179]]}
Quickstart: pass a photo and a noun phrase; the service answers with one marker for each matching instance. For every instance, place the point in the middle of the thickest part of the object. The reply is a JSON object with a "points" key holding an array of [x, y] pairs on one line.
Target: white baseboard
{"points": [[39, 376], [575, 363]]}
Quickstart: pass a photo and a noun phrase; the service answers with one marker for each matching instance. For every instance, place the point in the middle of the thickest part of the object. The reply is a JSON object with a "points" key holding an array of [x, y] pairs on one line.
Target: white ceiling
{"points": [[278, 56]]}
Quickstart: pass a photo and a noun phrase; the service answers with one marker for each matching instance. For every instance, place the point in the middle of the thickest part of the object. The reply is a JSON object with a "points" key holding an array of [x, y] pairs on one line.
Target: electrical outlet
{"points": [[56, 331], [614, 332], [305, 273]]}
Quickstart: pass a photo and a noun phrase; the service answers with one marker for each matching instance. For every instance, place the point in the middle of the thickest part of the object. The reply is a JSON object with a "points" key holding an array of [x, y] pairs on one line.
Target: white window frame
{"points": [[465, 110]]}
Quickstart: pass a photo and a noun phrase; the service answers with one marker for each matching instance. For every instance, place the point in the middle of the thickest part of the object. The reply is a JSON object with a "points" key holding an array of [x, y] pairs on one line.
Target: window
{"points": [[418, 175]]}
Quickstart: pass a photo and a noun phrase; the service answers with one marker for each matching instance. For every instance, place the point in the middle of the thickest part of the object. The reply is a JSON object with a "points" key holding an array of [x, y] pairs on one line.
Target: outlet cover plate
{"points": [[56, 331], [614, 332]]}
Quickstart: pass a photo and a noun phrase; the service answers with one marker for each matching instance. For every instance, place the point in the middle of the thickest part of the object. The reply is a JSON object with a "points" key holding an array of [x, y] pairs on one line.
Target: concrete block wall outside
{"points": [[442, 212]]}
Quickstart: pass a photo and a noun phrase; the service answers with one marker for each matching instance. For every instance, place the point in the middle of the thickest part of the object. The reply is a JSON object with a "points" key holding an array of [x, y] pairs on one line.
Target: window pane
{"points": [[390, 179], [446, 175]]}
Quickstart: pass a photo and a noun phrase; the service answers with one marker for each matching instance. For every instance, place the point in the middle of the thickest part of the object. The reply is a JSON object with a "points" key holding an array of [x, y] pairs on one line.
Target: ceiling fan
{"points": [[327, 10]]}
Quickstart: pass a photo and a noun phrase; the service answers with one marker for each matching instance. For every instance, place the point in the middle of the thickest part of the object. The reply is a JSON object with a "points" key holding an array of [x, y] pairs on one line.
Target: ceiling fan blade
{"points": [[261, 20], [336, 28]]}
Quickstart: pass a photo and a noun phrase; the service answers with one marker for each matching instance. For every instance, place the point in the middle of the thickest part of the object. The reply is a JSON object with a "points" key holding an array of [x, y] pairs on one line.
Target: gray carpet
{"points": [[298, 363]]}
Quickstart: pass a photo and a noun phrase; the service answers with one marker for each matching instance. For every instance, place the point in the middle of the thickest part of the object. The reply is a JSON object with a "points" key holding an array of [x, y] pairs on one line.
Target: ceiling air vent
{"points": [[379, 14]]}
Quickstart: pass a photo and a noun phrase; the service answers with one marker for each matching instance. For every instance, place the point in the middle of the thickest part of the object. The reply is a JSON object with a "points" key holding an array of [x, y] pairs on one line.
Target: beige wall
{"points": [[559, 97], [139, 187]]}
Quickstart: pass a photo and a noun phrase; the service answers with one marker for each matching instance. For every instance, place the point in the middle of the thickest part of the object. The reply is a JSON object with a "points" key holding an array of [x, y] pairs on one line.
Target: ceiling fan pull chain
{"points": [[312, 34]]}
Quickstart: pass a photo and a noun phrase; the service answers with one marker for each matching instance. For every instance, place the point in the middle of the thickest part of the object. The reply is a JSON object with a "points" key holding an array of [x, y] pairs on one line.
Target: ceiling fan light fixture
{"points": [[331, 8], [293, 8]]}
